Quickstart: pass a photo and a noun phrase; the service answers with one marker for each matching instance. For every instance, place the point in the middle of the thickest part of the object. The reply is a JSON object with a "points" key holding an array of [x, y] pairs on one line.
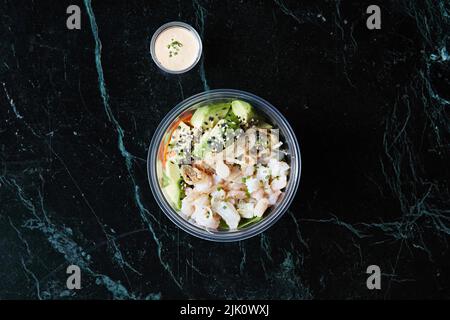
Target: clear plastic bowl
{"points": [[286, 134]]}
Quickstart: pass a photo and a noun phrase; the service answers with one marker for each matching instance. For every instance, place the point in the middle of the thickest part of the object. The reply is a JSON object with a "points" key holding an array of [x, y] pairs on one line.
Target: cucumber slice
{"points": [[173, 193], [172, 172], [172, 184]]}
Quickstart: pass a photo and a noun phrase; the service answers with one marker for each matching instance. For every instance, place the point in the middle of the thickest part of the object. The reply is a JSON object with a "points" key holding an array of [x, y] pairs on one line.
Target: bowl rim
{"points": [[191, 228]]}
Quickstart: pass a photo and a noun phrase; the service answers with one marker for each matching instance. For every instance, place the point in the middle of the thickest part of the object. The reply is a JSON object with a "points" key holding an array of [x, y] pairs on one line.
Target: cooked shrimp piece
{"points": [[203, 166], [246, 209], [278, 168], [187, 207], [190, 175], [247, 170], [217, 180], [236, 186], [188, 191], [261, 207], [263, 173], [252, 184], [266, 187], [201, 200], [235, 174], [279, 183], [284, 168], [222, 169], [206, 218], [194, 196], [273, 197], [203, 214], [217, 195], [258, 194], [204, 185], [237, 194], [228, 213], [239, 178]]}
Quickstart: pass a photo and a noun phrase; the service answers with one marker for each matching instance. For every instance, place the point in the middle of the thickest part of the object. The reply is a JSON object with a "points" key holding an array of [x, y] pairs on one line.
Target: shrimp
{"points": [[246, 209], [187, 204], [190, 174], [222, 169], [258, 194], [236, 186], [247, 170], [241, 181], [273, 197], [278, 168], [217, 180], [187, 207], [206, 218], [263, 173], [217, 195], [261, 207], [252, 184], [235, 174], [237, 194], [203, 166], [203, 214], [228, 213], [279, 183], [204, 185], [201, 180]]}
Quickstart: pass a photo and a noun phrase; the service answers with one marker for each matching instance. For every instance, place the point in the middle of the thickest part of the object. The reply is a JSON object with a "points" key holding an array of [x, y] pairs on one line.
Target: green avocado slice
{"points": [[243, 110], [207, 116]]}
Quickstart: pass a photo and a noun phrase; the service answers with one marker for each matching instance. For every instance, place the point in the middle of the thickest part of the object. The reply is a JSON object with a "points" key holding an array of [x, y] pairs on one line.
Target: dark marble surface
{"points": [[370, 108]]}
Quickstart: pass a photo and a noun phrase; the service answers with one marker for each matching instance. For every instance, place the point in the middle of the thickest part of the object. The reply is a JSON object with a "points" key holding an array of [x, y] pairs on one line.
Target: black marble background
{"points": [[370, 108]]}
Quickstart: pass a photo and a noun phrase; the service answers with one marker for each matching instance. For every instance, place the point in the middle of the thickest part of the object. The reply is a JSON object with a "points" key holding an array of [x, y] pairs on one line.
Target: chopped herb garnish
{"points": [[174, 47]]}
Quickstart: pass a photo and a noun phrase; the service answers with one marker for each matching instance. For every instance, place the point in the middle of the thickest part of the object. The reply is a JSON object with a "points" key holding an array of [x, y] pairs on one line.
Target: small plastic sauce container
{"points": [[176, 47]]}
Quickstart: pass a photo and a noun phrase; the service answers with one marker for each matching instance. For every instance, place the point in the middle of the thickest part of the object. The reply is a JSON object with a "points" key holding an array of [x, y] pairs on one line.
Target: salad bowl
{"points": [[170, 178]]}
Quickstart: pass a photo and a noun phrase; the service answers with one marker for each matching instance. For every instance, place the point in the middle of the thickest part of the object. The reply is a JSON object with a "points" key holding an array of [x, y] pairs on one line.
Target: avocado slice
{"points": [[211, 138], [172, 181], [243, 110], [232, 120], [264, 125], [207, 117]]}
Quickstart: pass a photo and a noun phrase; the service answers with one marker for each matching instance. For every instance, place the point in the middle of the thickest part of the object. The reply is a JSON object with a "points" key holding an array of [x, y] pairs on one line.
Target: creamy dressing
{"points": [[177, 48]]}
